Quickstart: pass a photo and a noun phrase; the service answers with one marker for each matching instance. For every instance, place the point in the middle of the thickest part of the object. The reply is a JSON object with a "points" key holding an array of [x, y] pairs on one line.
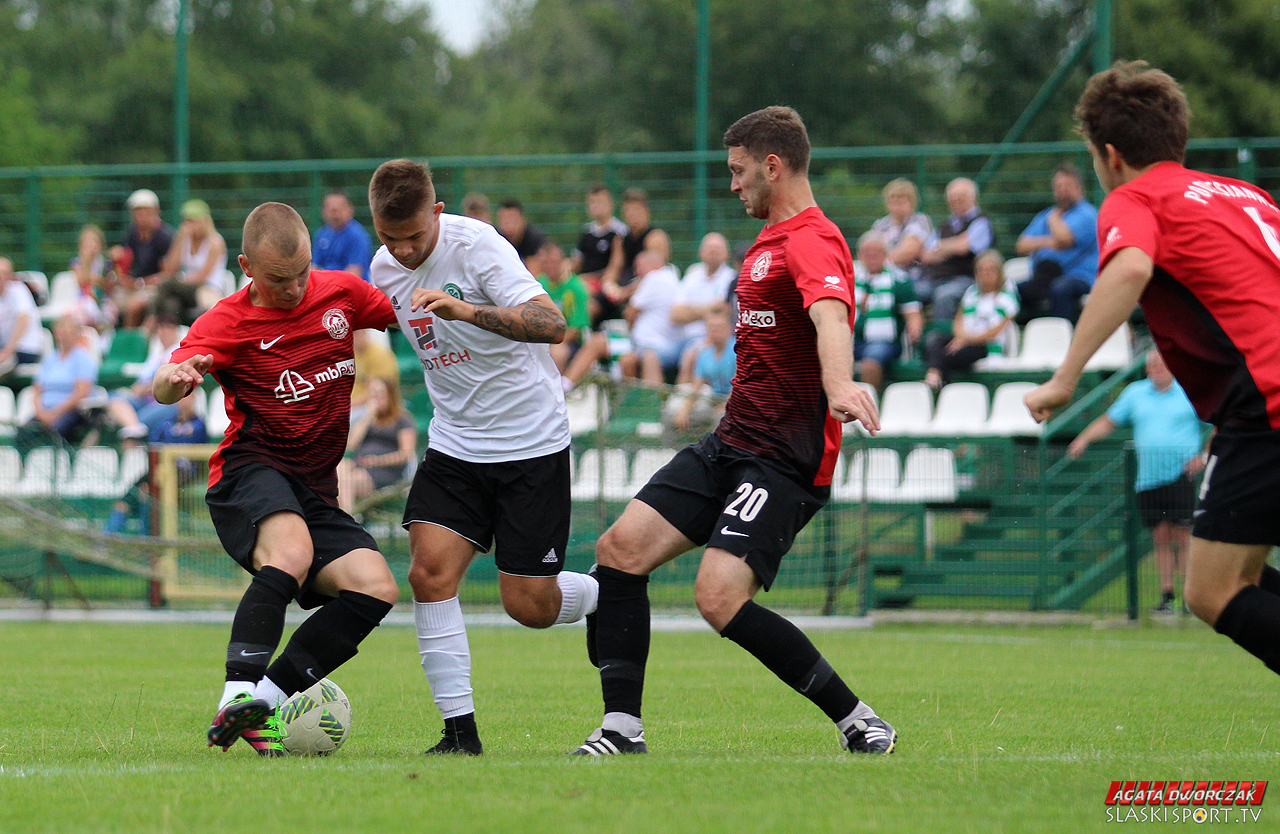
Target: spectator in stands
{"points": [[373, 358], [476, 206], [949, 253], [1170, 440], [66, 376], [146, 242], [135, 410], [596, 243], [887, 309], [95, 278], [570, 294], [1062, 242], [714, 367], [657, 341], [383, 443], [905, 230], [341, 243], [617, 280], [184, 426], [981, 324], [514, 226], [21, 336], [704, 287], [196, 267]]}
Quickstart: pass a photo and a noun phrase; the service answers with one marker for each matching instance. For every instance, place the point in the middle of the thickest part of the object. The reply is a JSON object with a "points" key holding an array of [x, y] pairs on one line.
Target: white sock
{"points": [[578, 595], [621, 722], [446, 656], [234, 689], [860, 711], [269, 692]]}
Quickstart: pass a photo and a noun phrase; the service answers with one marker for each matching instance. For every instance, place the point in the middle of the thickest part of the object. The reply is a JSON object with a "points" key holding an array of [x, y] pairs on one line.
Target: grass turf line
{"points": [[1003, 729]]}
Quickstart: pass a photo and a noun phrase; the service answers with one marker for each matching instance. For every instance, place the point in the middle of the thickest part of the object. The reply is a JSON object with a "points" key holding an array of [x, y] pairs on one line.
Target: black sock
{"points": [[1270, 581], [258, 624], [788, 653], [462, 726], [1166, 596], [1252, 620], [622, 638], [329, 638]]}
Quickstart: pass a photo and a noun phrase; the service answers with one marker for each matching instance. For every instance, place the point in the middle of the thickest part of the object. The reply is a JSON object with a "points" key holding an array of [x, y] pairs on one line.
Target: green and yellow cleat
{"points": [[268, 740]]}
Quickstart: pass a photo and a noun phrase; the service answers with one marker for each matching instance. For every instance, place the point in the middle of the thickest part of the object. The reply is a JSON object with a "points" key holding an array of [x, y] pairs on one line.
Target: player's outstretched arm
{"points": [[536, 320], [845, 398], [176, 379]]}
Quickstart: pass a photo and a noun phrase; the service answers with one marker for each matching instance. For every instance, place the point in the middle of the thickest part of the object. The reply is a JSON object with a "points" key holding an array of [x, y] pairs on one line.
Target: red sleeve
{"points": [[822, 268], [371, 305], [212, 333], [1126, 220]]}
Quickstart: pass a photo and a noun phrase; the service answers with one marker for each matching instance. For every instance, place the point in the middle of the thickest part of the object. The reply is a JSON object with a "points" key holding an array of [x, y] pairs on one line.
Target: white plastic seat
{"points": [[93, 473], [907, 408], [64, 290], [1044, 344], [853, 426], [134, 464], [45, 471], [929, 475], [8, 412], [882, 469], [24, 410], [963, 409], [592, 468], [643, 466], [615, 481], [584, 406], [1115, 353], [1016, 270], [216, 421], [10, 470], [1009, 415]]}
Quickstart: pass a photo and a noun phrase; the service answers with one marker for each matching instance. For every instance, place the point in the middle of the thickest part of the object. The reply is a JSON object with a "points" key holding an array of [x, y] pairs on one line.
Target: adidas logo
{"points": [[550, 557]]}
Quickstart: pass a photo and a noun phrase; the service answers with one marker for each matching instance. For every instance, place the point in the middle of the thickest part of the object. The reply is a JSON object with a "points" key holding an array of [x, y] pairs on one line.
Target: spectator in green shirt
{"points": [[570, 295], [887, 309]]}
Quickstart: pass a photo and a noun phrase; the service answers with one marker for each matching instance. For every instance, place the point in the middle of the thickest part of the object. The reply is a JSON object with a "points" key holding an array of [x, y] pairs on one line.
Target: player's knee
{"points": [[431, 583], [383, 588], [531, 609], [717, 604], [296, 563], [616, 550], [1205, 603]]}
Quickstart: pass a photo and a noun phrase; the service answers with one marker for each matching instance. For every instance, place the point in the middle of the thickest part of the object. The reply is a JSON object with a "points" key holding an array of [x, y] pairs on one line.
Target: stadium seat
{"points": [[962, 410], [127, 345], [584, 406], [906, 409], [94, 473], [24, 410], [134, 464], [587, 483], [63, 292], [1009, 416], [881, 468], [36, 281], [929, 475], [645, 463], [615, 483], [216, 421], [1044, 344], [8, 412], [1116, 352], [853, 426], [10, 470], [1016, 270], [46, 471]]}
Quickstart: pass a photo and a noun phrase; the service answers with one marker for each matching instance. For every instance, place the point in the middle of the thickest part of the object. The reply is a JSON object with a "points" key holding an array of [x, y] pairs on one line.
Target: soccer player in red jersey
{"points": [[282, 350], [747, 489], [1201, 254]]}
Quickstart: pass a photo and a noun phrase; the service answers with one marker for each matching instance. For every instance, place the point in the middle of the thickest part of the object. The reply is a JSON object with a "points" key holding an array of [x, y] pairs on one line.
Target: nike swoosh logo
{"points": [[243, 653], [725, 531], [264, 344], [311, 673]]}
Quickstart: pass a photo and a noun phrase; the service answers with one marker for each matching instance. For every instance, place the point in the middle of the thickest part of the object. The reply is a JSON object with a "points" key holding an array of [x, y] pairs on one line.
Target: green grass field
{"points": [[1002, 729]]}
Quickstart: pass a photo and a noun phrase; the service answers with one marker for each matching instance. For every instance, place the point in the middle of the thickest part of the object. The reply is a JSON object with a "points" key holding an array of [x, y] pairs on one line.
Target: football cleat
{"points": [[592, 654], [242, 713], [457, 744], [604, 742], [268, 740], [873, 735]]}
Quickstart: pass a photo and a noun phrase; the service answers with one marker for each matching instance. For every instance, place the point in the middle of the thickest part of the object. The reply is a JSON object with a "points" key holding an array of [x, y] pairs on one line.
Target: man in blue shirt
{"points": [[1169, 438], [1062, 242], [341, 243]]}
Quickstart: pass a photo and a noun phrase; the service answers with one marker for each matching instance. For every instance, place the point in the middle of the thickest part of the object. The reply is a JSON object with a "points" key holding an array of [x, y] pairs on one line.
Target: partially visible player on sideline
{"points": [[748, 488], [1201, 254], [282, 350], [496, 472]]}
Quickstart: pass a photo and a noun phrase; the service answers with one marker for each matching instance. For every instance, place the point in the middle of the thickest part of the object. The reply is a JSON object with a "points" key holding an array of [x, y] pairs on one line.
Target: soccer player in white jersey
{"points": [[496, 471]]}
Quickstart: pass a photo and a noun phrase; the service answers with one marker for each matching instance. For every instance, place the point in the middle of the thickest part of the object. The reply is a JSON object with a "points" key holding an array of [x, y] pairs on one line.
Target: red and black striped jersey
{"points": [[778, 408], [286, 375], [1213, 303]]}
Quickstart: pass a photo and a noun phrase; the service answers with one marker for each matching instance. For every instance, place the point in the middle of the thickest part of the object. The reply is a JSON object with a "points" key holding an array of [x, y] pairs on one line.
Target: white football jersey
{"points": [[495, 399]]}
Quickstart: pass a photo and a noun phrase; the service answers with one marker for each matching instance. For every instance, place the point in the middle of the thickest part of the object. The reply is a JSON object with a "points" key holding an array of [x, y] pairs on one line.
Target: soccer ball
{"points": [[316, 721]]}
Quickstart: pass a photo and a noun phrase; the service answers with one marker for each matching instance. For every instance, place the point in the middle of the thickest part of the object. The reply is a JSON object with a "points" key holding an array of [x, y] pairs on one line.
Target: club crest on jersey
{"points": [[453, 290], [760, 268], [335, 321]]}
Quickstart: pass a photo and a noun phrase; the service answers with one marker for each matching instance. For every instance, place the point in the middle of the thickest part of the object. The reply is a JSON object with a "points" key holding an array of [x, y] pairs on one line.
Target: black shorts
{"points": [[1173, 501], [723, 497], [250, 493], [522, 506], [1240, 492]]}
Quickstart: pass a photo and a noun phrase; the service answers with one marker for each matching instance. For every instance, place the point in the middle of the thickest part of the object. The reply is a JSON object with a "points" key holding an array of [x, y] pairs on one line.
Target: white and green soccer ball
{"points": [[316, 721]]}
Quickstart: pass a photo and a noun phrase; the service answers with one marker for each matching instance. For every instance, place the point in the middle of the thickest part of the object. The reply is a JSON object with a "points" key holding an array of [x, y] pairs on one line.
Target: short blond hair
{"points": [[902, 186]]}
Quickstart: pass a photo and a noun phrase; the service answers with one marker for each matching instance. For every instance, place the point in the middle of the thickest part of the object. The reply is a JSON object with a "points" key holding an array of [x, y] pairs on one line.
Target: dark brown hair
{"points": [[275, 226], [773, 130], [636, 195], [399, 189], [1139, 110]]}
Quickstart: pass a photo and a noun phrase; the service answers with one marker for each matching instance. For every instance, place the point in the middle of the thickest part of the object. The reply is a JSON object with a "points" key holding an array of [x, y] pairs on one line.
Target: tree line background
{"points": [[91, 81]]}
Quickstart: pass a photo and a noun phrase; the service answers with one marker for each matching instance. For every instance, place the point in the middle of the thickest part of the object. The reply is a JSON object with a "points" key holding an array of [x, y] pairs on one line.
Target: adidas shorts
{"points": [[722, 497], [1238, 492], [519, 508]]}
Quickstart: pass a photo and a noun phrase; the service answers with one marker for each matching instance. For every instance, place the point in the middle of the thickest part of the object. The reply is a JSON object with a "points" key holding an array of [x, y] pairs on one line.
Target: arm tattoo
{"points": [[530, 322]]}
